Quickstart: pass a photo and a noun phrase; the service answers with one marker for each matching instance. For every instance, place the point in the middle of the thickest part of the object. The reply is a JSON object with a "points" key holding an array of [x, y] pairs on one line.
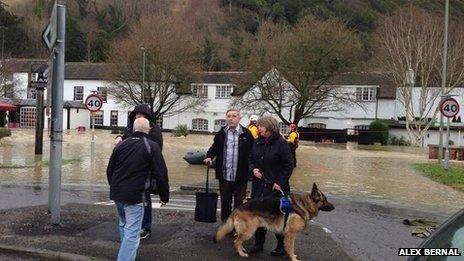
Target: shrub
{"points": [[379, 131], [401, 141], [5, 132], [181, 130]]}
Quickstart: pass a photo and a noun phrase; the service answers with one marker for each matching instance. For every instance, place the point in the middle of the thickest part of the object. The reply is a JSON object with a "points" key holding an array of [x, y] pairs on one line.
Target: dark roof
{"points": [[219, 77], [387, 88], [85, 71], [66, 104]]}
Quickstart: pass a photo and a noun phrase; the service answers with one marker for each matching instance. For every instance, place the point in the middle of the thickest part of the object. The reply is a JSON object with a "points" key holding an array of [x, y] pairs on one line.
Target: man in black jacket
{"points": [[231, 148], [129, 169], [144, 111]]}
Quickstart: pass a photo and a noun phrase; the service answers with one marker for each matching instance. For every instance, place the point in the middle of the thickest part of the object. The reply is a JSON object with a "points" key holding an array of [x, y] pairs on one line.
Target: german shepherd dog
{"points": [[265, 212]]}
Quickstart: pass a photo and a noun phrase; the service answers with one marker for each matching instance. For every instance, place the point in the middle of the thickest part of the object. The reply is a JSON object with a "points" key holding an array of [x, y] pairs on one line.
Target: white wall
{"points": [[432, 136]]}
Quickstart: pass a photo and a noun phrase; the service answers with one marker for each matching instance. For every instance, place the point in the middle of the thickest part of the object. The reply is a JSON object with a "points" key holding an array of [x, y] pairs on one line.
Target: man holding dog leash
{"points": [[231, 148]]}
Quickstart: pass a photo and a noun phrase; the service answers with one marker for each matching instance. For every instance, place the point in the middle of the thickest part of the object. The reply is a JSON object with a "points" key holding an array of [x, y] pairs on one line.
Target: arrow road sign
{"points": [[49, 33]]}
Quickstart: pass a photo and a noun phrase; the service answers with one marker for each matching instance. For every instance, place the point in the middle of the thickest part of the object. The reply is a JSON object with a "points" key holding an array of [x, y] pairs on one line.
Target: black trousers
{"points": [[229, 190], [293, 149], [265, 190]]}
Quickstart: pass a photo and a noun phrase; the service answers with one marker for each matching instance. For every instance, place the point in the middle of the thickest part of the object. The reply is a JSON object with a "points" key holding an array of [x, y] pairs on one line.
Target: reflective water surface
{"points": [[366, 172]]}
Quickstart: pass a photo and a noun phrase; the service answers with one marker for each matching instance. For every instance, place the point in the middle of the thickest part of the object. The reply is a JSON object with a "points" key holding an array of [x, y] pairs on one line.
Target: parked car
{"points": [[449, 235]]}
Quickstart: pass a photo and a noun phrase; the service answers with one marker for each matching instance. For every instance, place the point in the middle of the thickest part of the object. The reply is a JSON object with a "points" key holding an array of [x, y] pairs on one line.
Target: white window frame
{"points": [[114, 118], [223, 91], [219, 123], [199, 124], [199, 90], [27, 117], [366, 93], [99, 118], [283, 128], [76, 93], [103, 93]]}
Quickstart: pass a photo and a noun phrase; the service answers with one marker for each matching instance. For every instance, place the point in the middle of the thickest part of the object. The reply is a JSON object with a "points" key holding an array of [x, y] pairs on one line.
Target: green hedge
{"points": [[379, 131], [181, 130], [5, 132]]}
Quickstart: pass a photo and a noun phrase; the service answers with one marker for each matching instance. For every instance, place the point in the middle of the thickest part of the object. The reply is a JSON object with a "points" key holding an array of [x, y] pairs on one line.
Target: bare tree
{"points": [[170, 66], [413, 39], [291, 69]]}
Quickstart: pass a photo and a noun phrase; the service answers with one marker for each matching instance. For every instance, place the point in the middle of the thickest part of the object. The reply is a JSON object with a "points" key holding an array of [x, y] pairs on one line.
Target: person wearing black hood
{"points": [[271, 165], [143, 110]]}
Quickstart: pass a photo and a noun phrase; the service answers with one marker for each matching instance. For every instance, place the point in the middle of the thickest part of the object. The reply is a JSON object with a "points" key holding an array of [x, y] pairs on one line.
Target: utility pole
{"points": [[39, 85], [56, 138], [443, 81]]}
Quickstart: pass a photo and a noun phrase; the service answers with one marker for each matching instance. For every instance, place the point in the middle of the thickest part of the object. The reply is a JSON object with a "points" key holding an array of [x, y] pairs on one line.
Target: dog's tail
{"points": [[225, 229]]}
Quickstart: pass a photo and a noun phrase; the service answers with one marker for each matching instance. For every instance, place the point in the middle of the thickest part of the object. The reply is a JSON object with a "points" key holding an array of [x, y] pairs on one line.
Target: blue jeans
{"points": [[130, 222], [146, 223]]}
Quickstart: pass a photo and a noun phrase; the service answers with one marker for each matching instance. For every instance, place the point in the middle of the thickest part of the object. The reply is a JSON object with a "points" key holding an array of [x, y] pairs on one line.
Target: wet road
{"points": [[376, 174]]}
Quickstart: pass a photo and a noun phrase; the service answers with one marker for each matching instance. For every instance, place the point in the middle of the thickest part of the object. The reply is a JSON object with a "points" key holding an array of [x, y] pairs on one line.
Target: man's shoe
{"points": [[144, 234], [256, 249], [279, 251]]}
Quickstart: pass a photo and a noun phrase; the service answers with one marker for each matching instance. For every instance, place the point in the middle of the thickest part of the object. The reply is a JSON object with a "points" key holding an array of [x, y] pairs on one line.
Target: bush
{"points": [[379, 131], [398, 141], [5, 132], [180, 130]]}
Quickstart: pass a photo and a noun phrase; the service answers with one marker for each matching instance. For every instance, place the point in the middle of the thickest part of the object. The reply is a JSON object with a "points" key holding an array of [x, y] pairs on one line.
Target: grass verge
{"points": [[454, 177]]}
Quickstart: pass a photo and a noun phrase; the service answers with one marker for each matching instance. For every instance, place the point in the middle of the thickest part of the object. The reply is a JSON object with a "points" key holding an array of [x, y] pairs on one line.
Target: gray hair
{"points": [[233, 109], [142, 125]]}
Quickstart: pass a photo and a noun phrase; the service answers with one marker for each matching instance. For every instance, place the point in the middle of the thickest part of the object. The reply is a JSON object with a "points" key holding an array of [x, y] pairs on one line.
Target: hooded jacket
{"points": [[155, 131]]}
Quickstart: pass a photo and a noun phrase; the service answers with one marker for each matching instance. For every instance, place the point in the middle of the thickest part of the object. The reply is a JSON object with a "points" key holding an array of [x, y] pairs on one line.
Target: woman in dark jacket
{"points": [[271, 166]]}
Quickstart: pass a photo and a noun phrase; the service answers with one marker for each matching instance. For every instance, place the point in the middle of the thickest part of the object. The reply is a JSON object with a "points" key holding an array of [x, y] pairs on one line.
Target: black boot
{"points": [[279, 250], [256, 249]]}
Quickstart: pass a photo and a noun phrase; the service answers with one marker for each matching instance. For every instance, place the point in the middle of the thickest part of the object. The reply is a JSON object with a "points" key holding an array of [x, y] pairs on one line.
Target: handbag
{"points": [[206, 203]]}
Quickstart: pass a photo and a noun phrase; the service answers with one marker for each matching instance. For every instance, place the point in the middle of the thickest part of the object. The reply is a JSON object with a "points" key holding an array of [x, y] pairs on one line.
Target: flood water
{"points": [[383, 174]]}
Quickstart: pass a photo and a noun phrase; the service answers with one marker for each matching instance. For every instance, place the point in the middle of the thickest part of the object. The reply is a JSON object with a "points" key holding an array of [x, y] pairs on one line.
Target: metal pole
{"points": [[57, 118], [143, 75], [3, 42], [92, 145], [443, 81], [447, 144], [39, 123]]}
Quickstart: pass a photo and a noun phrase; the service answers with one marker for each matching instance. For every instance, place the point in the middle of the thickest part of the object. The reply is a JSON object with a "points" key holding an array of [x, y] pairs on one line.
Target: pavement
{"points": [[355, 230]]}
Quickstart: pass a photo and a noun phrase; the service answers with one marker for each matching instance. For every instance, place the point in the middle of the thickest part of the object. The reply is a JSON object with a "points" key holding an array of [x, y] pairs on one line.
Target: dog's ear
{"points": [[314, 191]]}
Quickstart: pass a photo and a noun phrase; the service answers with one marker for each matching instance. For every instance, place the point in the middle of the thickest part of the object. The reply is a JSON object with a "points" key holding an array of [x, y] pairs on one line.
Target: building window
{"points": [[223, 92], [218, 124], [317, 125], [32, 94], [200, 125], [114, 118], [200, 91], [102, 92], [159, 122], [366, 94], [361, 127], [27, 117], [98, 118], [78, 93], [283, 128]]}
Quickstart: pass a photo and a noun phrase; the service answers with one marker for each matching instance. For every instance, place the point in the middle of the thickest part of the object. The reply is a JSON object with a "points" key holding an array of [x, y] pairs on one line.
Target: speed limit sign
{"points": [[93, 102], [449, 107]]}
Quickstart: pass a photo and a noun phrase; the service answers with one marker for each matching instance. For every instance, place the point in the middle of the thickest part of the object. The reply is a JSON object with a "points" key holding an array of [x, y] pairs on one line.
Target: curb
{"points": [[45, 254]]}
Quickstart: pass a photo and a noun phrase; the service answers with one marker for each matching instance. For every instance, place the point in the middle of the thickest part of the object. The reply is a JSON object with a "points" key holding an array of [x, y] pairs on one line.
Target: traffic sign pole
{"points": [[93, 103], [449, 108]]}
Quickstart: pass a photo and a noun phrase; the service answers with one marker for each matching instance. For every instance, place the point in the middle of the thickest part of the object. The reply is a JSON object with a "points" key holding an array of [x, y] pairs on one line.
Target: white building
{"points": [[375, 91]]}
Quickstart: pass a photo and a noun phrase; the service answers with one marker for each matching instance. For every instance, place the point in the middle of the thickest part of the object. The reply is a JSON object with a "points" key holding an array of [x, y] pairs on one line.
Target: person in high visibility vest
{"points": [[252, 126], [292, 139]]}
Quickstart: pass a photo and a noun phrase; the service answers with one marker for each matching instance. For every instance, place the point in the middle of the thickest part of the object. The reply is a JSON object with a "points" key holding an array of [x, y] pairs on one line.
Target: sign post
{"points": [[93, 103], [39, 85], [449, 108]]}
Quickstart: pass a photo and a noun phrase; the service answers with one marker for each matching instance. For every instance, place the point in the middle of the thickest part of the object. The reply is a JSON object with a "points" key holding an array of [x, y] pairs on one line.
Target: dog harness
{"points": [[286, 208]]}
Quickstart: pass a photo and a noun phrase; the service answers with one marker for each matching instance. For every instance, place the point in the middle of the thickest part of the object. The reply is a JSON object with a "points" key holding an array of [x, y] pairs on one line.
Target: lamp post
{"points": [[443, 81], [143, 74]]}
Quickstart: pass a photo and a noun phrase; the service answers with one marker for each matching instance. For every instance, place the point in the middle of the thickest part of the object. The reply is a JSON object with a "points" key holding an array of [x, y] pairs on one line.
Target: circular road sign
{"points": [[93, 102], [449, 107]]}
